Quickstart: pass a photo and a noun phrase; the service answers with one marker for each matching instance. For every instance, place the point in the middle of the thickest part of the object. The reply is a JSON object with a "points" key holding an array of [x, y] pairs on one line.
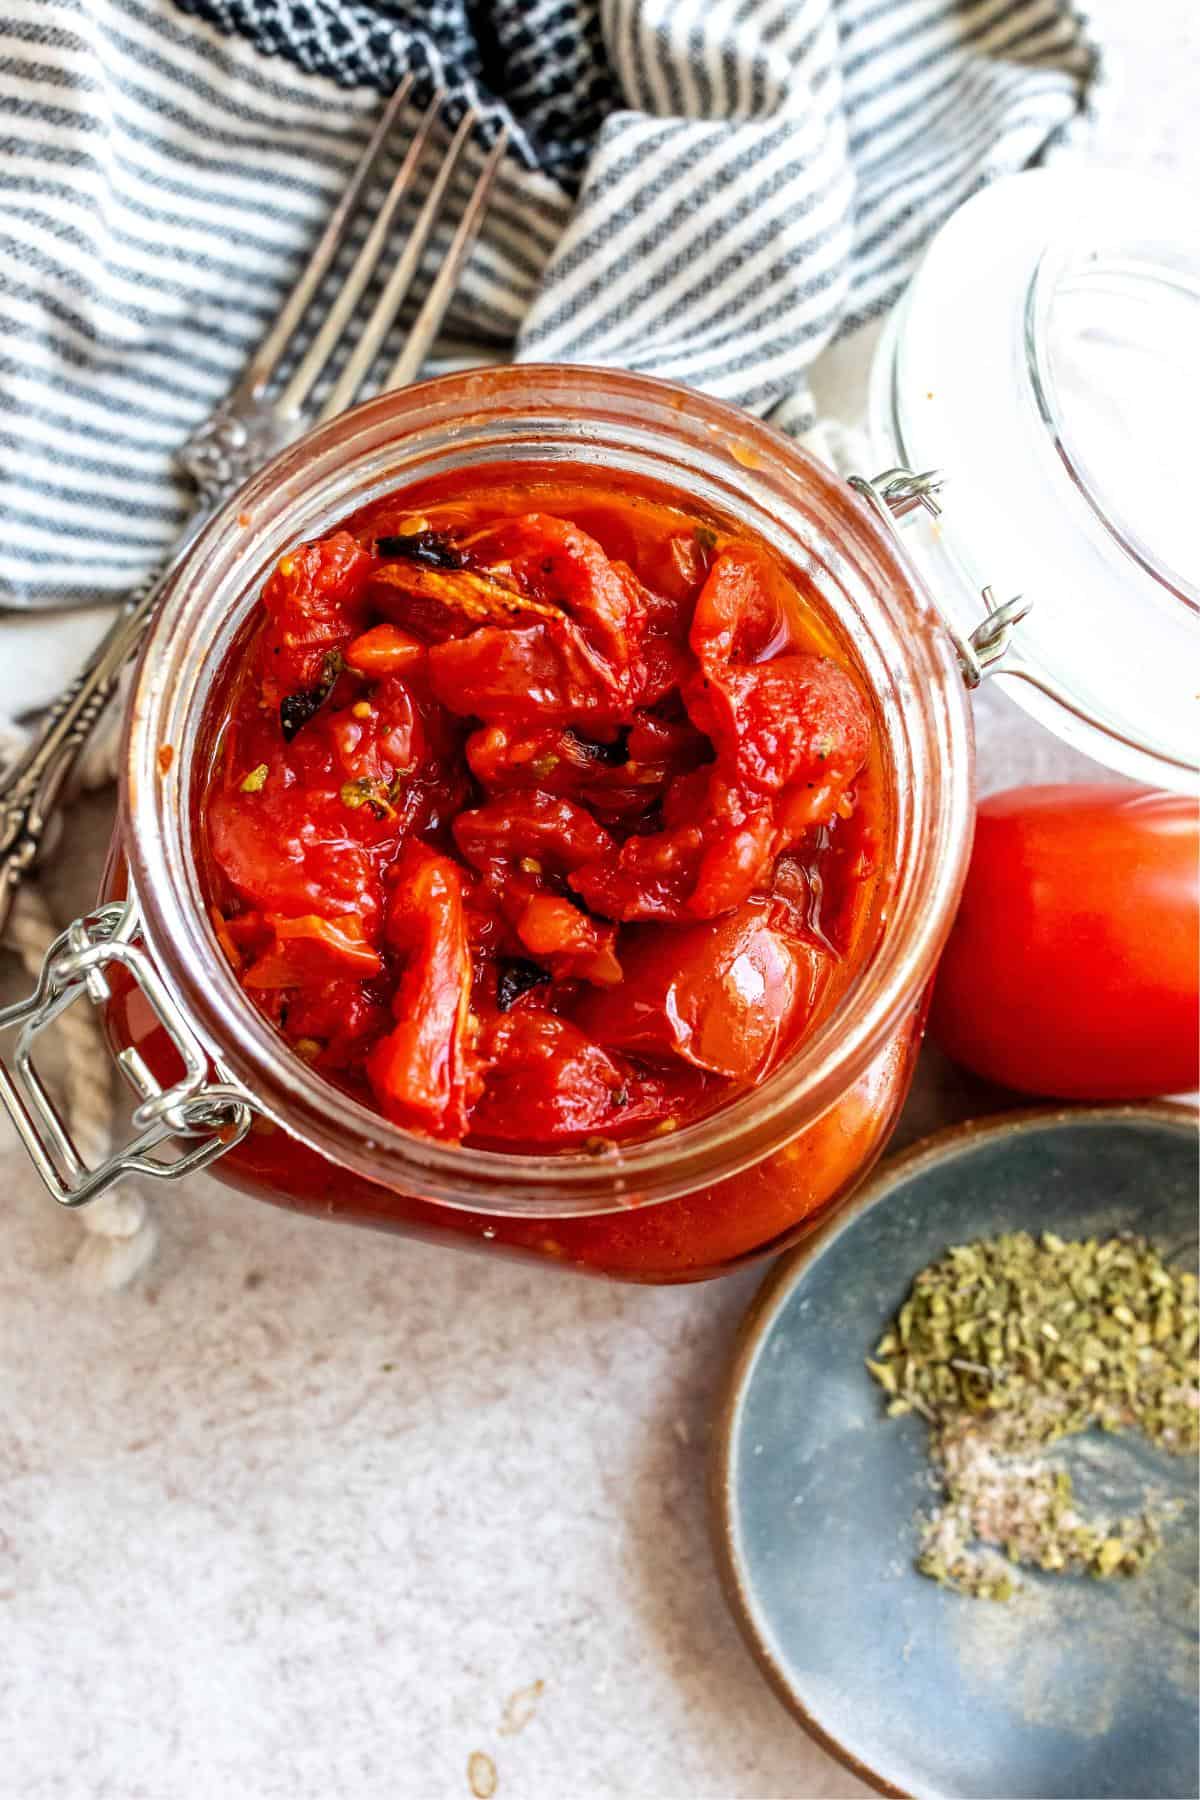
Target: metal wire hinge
{"points": [[898, 492], [188, 1124]]}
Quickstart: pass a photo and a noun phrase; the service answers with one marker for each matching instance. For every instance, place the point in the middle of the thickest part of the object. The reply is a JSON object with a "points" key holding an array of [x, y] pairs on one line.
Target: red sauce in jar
{"points": [[540, 814]]}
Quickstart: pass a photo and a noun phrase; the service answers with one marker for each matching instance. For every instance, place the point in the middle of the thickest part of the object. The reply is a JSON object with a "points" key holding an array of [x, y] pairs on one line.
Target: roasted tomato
{"points": [[423, 1072], [722, 996], [309, 949], [314, 602], [623, 777], [520, 844], [538, 815], [1072, 968], [718, 846], [547, 1082]]}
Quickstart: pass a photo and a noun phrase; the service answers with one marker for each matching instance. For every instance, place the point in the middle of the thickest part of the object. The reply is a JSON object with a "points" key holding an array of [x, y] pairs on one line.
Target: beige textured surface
{"points": [[296, 1516]]}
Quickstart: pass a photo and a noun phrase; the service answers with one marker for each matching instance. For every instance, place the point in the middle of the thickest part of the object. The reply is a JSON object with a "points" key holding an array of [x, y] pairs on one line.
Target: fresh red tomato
{"points": [[1072, 968]]}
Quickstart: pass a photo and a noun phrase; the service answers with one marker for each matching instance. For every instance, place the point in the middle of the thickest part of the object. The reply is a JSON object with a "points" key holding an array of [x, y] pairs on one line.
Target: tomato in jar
{"points": [[540, 816]]}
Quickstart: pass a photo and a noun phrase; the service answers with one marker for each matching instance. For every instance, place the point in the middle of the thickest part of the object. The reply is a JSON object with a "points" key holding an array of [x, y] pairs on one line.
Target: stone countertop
{"points": [[301, 1511]]}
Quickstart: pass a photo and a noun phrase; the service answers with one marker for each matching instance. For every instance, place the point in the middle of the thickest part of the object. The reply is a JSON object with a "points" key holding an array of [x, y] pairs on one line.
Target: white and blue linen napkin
{"points": [[710, 190]]}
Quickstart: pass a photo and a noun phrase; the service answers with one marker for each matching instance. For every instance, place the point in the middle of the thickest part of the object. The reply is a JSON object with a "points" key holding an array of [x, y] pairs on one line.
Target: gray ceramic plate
{"points": [[1077, 1687]]}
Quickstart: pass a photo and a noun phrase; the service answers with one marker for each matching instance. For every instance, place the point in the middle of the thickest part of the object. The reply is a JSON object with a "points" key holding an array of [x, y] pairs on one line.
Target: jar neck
{"points": [[725, 463]]}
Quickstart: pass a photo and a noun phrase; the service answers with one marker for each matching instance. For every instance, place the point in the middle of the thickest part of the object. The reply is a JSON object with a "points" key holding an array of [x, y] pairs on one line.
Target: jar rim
{"points": [[695, 443]]}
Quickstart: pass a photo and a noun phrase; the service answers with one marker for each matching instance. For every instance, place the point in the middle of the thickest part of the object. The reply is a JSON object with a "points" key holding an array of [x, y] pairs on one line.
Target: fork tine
{"points": [[399, 281], [308, 372], [428, 322], [262, 365]]}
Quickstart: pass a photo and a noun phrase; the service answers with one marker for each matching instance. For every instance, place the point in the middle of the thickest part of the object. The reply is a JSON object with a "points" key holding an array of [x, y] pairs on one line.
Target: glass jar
{"points": [[740, 1183]]}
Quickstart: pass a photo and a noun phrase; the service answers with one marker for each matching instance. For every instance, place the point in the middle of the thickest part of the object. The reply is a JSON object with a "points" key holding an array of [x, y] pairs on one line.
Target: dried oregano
{"points": [[1007, 1346]]}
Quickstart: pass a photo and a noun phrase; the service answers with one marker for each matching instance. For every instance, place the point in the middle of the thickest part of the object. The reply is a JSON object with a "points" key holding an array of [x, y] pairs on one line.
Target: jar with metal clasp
{"points": [[1030, 522]]}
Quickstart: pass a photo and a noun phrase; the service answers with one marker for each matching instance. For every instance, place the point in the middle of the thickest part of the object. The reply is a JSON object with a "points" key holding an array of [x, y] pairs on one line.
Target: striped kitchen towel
{"points": [[704, 189]]}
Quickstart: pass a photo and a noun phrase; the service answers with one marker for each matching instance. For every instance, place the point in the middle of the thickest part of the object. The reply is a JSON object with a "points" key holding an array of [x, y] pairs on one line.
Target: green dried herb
{"points": [[1008, 1346], [380, 796]]}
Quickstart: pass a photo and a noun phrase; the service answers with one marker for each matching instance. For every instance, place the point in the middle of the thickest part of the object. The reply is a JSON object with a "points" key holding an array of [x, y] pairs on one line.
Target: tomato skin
{"points": [[311, 950], [314, 601], [527, 1100], [423, 1072], [1072, 968], [384, 650], [720, 995]]}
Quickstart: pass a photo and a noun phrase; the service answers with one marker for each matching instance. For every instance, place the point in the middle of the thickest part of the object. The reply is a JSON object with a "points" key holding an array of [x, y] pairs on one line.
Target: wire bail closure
{"points": [[992, 648], [897, 492], [201, 1117]]}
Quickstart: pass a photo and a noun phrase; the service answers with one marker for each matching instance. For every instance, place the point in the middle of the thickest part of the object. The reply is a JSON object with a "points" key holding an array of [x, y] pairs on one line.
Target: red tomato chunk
{"points": [[540, 816]]}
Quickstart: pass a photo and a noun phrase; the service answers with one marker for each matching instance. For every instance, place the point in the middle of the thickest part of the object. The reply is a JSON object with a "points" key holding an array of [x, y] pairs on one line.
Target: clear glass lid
{"points": [[1046, 360]]}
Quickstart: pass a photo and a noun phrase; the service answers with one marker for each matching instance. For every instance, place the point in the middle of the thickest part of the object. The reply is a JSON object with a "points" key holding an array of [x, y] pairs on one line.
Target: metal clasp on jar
{"points": [[198, 1117], [898, 492], [993, 648]]}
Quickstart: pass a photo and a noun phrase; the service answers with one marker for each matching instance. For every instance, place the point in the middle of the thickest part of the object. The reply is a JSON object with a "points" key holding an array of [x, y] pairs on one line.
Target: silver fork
{"points": [[257, 419]]}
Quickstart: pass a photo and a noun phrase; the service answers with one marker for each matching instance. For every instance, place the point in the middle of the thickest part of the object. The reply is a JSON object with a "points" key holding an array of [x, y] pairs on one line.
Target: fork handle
{"points": [[31, 789]]}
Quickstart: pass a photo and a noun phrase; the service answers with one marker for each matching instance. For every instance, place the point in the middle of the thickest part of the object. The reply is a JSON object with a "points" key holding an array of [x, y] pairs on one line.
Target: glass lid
{"points": [[1046, 360]]}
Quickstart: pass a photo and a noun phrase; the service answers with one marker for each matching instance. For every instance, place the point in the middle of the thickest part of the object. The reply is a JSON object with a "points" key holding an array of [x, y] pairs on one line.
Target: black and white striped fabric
{"points": [[704, 189]]}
